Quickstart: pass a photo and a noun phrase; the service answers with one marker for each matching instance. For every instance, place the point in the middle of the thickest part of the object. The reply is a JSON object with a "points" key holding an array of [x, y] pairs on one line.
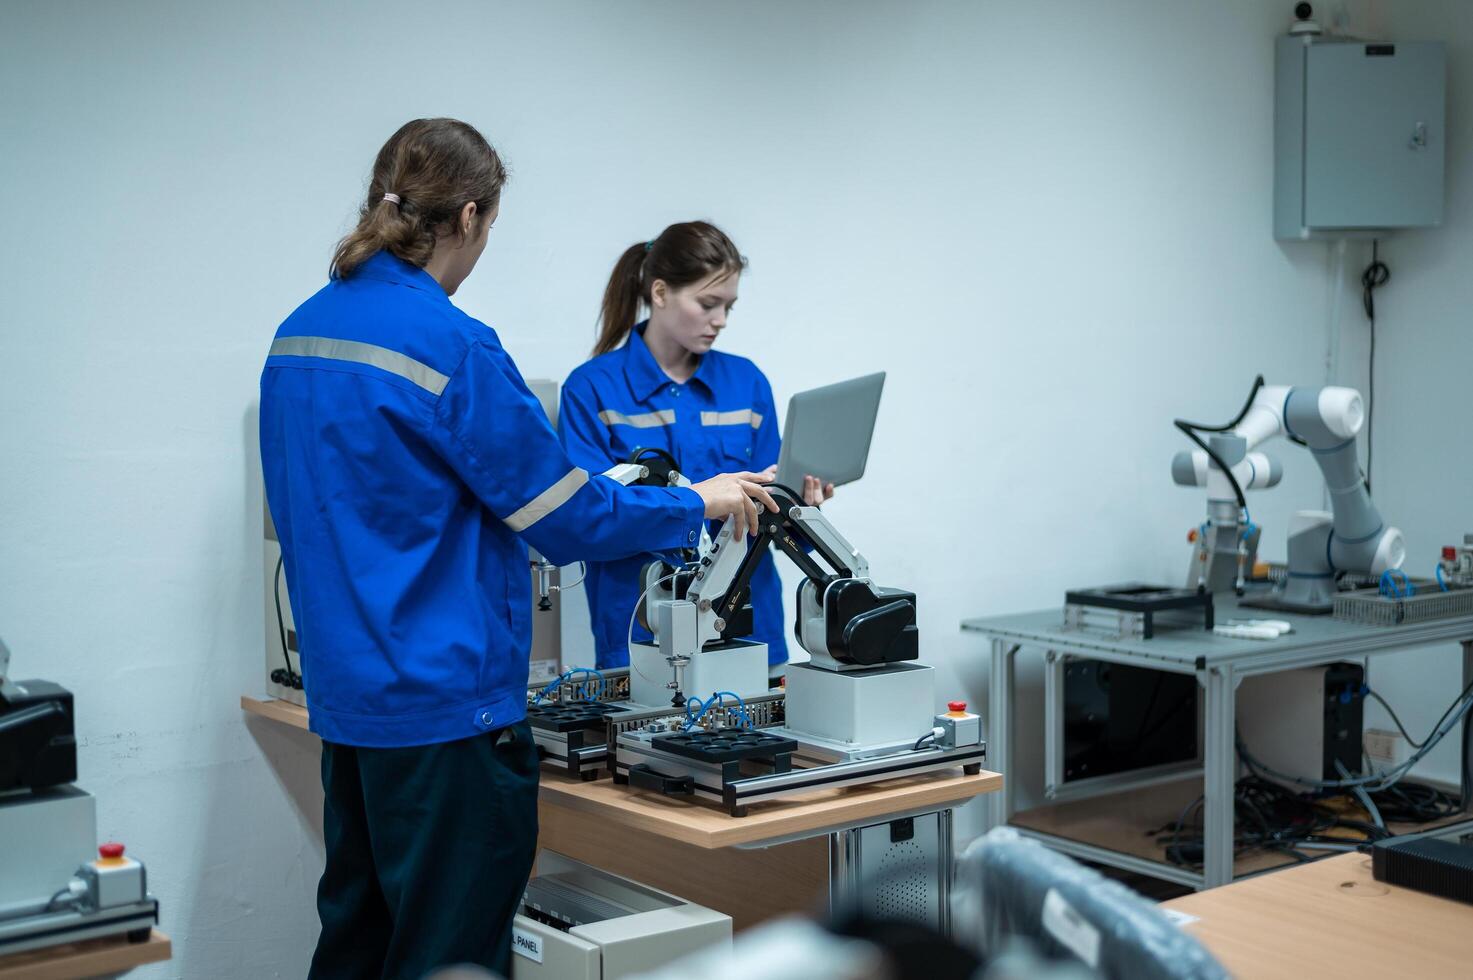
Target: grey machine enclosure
{"points": [[580, 923], [1359, 136]]}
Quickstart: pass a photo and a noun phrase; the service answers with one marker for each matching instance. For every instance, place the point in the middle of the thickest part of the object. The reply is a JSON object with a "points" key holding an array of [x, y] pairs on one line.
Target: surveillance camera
{"points": [[1303, 26]]}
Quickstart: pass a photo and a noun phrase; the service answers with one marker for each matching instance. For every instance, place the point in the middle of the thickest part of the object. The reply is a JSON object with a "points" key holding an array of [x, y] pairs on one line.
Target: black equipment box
{"points": [[38, 744], [1144, 600], [1119, 718], [1428, 863]]}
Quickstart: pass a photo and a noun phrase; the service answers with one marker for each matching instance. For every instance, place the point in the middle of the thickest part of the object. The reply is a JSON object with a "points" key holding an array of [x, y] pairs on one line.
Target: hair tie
{"points": [[649, 244], [392, 199]]}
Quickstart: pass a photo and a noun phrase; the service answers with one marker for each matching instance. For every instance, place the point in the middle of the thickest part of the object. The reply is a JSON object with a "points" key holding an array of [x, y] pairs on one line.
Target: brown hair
{"points": [[435, 167], [682, 254]]}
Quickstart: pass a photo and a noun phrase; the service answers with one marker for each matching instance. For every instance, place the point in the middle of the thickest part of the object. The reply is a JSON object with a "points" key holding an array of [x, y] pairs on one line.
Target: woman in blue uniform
{"points": [[659, 384], [406, 463]]}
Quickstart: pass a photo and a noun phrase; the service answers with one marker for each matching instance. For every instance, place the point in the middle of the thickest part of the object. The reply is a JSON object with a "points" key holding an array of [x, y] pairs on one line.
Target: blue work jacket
{"points": [[720, 421], [406, 463]]}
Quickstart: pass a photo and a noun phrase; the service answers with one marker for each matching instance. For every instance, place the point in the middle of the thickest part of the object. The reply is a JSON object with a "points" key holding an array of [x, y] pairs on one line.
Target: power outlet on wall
{"points": [[1385, 749]]}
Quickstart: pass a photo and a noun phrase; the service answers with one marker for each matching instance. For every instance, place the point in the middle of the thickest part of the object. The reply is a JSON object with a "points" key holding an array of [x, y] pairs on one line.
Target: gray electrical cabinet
{"points": [[1359, 136]]}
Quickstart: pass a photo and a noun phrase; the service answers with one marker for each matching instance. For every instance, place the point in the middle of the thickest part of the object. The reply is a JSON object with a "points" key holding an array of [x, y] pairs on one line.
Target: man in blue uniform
{"points": [[406, 463]]}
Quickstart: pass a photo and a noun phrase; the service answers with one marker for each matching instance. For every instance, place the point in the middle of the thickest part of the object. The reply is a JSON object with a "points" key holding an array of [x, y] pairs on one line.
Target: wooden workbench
{"points": [[1330, 918], [771, 862], [749, 867], [92, 958]]}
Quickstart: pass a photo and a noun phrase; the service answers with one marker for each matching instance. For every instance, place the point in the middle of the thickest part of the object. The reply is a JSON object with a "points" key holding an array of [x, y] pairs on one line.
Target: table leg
{"points": [[1464, 783], [946, 873], [843, 874], [1000, 729], [1220, 765], [1053, 723]]}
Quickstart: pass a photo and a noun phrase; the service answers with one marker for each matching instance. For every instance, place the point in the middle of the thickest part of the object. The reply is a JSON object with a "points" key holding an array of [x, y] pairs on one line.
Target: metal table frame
{"points": [[848, 875], [1219, 664]]}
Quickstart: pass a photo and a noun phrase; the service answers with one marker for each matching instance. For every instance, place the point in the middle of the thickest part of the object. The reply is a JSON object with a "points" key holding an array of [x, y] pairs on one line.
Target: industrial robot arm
{"points": [[1326, 421], [844, 621]]}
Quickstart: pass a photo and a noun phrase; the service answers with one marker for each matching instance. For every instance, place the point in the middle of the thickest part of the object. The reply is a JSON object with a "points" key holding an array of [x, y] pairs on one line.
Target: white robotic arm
{"points": [[844, 621], [1338, 411], [1326, 421]]}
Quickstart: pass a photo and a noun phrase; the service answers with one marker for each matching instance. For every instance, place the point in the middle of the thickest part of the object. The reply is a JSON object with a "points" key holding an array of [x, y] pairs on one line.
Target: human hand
{"points": [[815, 491], [732, 496]]}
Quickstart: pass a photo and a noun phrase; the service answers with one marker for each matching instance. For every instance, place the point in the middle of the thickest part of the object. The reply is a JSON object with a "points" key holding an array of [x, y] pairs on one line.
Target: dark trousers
{"points": [[428, 853]]}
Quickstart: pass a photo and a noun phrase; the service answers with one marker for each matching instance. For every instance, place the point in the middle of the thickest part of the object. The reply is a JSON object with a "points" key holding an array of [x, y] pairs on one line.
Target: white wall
{"points": [[1048, 221]]}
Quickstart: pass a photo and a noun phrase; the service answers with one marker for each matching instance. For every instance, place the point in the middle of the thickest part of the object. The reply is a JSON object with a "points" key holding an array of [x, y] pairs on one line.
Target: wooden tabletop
{"points": [[277, 710], [705, 825], [1330, 918], [92, 958]]}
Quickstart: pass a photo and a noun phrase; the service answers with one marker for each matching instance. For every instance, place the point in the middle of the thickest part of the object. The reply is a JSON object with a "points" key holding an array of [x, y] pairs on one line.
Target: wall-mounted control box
{"points": [[1359, 136]]}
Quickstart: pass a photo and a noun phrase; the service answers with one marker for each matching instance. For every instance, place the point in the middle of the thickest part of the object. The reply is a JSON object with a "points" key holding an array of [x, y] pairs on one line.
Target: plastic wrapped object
{"points": [[1008, 886], [794, 948]]}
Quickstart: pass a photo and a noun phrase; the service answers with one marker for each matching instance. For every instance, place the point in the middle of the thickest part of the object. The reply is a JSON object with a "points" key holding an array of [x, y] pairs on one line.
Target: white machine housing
{"points": [[608, 927], [737, 666], [883, 708], [1293, 722], [44, 837]]}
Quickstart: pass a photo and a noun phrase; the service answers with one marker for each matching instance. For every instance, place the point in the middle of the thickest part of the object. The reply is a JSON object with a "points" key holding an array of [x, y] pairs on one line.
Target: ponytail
{"points": [[621, 300], [424, 175], [684, 253]]}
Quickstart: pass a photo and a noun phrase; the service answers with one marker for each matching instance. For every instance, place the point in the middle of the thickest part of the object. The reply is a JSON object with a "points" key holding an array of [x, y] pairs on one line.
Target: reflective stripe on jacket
{"points": [[406, 463]]}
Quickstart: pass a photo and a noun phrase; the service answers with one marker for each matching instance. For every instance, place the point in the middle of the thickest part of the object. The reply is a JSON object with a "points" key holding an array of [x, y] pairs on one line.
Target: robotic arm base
{"points": [[1309, 585]]}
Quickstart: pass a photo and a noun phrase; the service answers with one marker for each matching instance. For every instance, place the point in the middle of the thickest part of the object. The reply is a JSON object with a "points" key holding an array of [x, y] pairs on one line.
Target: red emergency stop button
{"points": [[110, 851], [956, 706]]}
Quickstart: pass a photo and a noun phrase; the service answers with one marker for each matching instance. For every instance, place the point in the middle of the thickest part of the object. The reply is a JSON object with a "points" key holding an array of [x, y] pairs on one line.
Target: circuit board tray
{"points": [[725, 745], [570, 716]]}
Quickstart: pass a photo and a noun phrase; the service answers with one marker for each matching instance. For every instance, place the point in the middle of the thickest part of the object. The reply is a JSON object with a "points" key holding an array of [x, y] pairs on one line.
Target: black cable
{"points": [[1390, 711], [774, 485], [53, 905], [1173, 850], [294, 679], [922, 741], [1374, 277], [1190, 430], [1268, 817], [1415, 803], [1452, 707], [644, 451], [1242, 413]]}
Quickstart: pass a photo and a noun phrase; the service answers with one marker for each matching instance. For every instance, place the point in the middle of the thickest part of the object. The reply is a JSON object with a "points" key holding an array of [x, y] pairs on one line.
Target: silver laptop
{"points": [[828, 431]]}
